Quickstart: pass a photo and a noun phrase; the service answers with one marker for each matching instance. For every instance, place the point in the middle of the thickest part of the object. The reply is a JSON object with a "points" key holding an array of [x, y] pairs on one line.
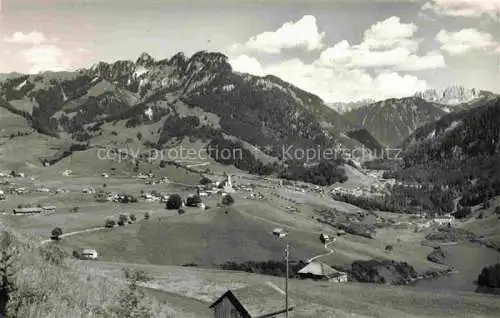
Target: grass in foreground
{"points": [[47, 284]]}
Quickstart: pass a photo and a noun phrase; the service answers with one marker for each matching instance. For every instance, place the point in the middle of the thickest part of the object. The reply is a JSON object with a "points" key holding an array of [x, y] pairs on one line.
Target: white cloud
{"points": [[386, 44], [45, 58], [391, 33], [337, 84], [464, 8], [465, 41], [300, 34], [34, 37], [345, 72], [247, 64]]}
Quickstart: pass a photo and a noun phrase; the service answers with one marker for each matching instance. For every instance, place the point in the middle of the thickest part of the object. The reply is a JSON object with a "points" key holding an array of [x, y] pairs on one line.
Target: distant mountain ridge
{"points": [[197, 97], [452, 95], [343, 107], [393, 120]]}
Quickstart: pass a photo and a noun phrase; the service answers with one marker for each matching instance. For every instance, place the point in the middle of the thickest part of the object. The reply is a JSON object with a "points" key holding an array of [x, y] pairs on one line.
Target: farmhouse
{"points": [[443, 220], [321, 271], [27, 210], [88, 254], [251, 302]]}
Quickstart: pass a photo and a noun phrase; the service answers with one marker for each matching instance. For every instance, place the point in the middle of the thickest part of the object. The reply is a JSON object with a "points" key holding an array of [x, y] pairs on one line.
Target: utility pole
{"points": [[279, 233]]}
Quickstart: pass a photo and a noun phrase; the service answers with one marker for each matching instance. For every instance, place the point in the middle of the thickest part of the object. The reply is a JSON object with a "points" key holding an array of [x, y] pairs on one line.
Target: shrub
{"points": [[109, 223], [74, 209], [132, 217], [463, 212], [490, 277], [174, 202], [122, 219], [389, 248], [181, 211], [146, 215], [497, 210], [137, 275], [56, 233], [193, 200], [227, 200], [7, 272], [205, 181], [76, 254]]}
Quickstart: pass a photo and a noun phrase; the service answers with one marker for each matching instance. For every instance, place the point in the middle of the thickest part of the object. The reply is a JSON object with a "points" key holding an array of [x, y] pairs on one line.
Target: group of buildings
{"points": [[267, 300]]}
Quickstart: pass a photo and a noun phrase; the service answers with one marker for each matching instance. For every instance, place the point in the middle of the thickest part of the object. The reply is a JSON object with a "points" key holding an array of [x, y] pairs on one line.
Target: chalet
{"points": [[450, 220], [257, 301], [321, 271], [87, 253], [27, 210], [325, 238]]}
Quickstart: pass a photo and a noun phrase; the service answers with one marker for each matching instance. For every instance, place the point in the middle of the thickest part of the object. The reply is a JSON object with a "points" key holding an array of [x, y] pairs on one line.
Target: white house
{"points": [[442, 220], [88, 254], [319, 270]]}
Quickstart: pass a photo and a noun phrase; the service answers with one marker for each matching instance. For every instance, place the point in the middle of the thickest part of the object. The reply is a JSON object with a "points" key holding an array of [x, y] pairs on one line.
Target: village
{"points": [[209, 193]]}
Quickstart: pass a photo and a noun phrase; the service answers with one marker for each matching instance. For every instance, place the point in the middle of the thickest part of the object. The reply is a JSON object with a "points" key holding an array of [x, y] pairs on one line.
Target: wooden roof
{"points": [[319, 269], [257, 301]]}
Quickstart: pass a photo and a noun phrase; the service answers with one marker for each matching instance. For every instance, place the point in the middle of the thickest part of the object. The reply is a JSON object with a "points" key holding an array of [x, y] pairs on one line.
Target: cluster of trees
{"points": [[433, 199], [175, 126], [489, 277], [464, 158], [123, 219], [372, 271]]}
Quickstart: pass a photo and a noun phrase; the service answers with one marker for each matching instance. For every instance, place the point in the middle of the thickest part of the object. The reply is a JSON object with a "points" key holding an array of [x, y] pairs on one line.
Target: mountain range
{"points": [[163, 102]]}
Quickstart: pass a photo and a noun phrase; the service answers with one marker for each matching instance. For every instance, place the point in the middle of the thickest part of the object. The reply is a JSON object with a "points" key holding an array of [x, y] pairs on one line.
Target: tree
{"points": [[490, 277], [56, 233], [7, 271], [174, 202], [227, 201], [205, 181], [109, 223], [122, 219], [193, 200], [497, 210], [132, 217], [389, 248], [146, 215]]}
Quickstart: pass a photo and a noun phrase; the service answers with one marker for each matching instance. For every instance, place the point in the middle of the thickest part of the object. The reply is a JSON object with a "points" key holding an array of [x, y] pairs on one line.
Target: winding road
{"points": [[330, 252], [94, 229]]}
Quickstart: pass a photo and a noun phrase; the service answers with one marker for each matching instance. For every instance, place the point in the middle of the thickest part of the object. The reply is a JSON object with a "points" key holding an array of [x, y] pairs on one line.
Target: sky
{"points": [[338, 49]]}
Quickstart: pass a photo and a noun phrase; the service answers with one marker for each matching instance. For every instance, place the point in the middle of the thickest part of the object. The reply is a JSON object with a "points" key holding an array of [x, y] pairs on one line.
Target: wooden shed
{"points": [[256, 301]]}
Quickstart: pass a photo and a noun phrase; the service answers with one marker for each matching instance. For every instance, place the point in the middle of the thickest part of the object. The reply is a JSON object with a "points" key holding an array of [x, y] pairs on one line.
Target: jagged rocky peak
{"points": [[178, 59], [344, 107], [145, 60], [452, 95], [212, 60]]}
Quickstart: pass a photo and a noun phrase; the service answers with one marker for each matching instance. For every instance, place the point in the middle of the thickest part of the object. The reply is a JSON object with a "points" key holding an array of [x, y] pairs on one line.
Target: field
{"points": [[212, 237], [314, 299]]}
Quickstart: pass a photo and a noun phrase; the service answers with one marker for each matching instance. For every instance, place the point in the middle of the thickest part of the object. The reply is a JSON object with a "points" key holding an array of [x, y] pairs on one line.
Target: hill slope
{"points": [[460, 150], [393, 120], [157, 103]]}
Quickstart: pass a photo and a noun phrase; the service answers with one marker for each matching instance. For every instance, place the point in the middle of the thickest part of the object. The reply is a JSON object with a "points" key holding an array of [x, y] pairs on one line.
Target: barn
{"points": [[256, 301], [320, 271], [27, 210]]}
